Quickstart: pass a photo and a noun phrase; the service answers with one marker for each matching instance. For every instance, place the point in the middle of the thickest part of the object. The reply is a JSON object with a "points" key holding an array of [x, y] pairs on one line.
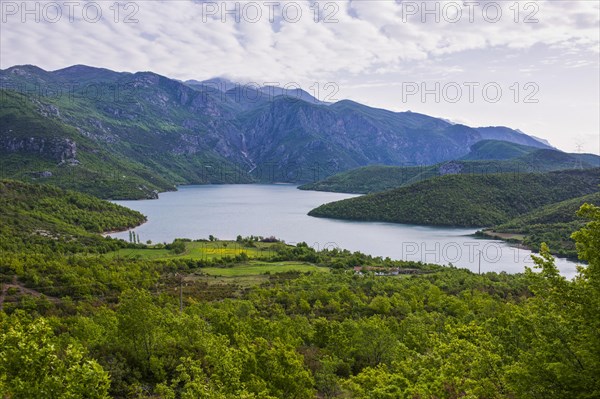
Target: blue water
{"points": [[281, 211]]}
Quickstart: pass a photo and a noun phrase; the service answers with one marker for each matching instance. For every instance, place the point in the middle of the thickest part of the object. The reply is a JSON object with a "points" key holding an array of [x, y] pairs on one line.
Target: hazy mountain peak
{"points": [[23, 69], [220, 83], [504, 133]]}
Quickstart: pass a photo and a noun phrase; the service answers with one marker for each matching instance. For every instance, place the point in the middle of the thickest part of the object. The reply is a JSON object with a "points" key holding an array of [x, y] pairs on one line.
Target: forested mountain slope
{"points": [[34, 214]]}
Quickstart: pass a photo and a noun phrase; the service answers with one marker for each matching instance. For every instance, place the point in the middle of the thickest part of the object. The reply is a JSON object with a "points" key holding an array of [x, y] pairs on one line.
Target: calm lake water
{"points": [[281, 211]]}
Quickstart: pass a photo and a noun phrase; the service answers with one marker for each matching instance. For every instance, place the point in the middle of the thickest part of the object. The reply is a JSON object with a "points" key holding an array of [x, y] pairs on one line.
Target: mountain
{"points": [[369, 179], [465, 200], [543, 141], [486, 157], [160, 132], [514, 136]]}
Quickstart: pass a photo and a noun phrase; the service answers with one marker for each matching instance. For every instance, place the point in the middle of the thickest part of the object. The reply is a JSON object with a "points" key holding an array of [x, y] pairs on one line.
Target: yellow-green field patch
{"points": [[200, 250]]}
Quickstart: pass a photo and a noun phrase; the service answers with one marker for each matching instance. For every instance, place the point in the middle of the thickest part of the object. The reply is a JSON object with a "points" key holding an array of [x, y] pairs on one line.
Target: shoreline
{"points": [[107, 233], [515, 240], [297, 184]]}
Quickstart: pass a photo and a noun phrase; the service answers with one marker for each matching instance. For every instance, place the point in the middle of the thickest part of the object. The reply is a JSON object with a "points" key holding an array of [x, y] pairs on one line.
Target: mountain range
{"points": [[132, 135]]}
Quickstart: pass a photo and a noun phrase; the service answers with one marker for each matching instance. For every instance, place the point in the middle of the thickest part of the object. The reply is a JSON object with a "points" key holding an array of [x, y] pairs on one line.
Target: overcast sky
{"points": [[531, 65]]}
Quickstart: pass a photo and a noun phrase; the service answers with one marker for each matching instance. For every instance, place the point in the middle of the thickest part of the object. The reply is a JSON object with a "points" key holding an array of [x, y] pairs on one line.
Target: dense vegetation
{"points": [[465, 200], [370, 179], [42, 215], [494, 149], [551, 224], [78, 324], [486, 157]]}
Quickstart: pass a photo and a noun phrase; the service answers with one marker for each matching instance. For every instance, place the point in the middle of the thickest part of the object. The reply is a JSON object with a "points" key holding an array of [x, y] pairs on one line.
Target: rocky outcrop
{"points": [[60, 149]]}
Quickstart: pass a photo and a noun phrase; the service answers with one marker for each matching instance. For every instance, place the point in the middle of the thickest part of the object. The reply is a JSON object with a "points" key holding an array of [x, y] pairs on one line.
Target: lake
{"points": [[280, 210]]}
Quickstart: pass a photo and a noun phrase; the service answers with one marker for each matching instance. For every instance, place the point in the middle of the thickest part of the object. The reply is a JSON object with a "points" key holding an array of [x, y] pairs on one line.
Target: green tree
{"points": [[561, 324], [35, 363], [139, 326]]}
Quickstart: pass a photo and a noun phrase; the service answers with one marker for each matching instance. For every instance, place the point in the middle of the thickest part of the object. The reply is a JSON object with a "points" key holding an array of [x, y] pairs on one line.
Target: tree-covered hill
{"points": [[47, 215], [552, 224], [368, 179], [495, 149], [465, 200]]}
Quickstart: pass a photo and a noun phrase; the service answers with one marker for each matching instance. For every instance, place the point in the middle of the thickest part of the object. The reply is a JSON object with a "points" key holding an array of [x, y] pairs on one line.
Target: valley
{"points": [[83, 303], [382, 277], [299, 200]]}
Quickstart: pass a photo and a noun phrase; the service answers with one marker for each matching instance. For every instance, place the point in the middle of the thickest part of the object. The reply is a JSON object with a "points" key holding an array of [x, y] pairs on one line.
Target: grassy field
{"points": [[199, 250], [214, 283], [254, 268]]}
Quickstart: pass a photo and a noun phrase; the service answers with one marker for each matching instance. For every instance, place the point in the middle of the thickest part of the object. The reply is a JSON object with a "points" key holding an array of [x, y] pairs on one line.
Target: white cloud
{"points": [[179, 38]]}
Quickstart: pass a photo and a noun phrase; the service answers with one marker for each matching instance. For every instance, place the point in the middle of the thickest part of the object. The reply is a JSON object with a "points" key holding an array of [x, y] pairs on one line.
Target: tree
{"points": [[139, 322], [588, 243], [35, 363], [561, 324]]}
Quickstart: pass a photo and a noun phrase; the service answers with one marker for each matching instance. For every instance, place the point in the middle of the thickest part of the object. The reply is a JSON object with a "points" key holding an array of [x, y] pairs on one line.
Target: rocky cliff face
{"points": [[59, 149]]}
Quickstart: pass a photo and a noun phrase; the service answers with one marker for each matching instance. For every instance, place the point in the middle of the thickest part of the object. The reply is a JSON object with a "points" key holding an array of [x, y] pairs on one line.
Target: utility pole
{"points": [[579, 148], [480, 262], [180, 293]]}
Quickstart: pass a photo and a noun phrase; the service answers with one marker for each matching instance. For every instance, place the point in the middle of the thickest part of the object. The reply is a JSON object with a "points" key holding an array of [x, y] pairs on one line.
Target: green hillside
{"points": [[35, 214], [495, 149], [43, 149], [465, 200], [552, 224]]}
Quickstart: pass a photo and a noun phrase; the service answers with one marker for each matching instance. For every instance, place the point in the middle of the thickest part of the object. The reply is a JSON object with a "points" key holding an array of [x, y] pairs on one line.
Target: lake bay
{"points": [[280, 210]]}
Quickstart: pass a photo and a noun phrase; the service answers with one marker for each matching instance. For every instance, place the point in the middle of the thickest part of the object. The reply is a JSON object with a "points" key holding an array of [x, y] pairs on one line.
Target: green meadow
{"points": [[254, 268], [199, 250]]}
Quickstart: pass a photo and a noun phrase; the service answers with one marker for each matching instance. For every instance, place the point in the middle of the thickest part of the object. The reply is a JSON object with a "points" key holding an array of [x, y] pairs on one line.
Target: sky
{"points": [[529, 65]]}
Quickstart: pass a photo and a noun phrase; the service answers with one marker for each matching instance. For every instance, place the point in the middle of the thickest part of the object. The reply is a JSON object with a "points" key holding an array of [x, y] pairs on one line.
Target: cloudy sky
{"points": [[531, 65]]}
